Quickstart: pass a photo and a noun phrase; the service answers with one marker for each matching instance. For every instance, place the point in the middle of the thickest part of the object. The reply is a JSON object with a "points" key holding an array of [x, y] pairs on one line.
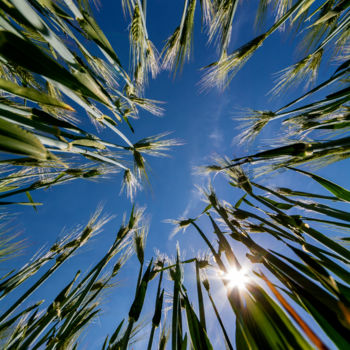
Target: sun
{"points": [[237, 278]]}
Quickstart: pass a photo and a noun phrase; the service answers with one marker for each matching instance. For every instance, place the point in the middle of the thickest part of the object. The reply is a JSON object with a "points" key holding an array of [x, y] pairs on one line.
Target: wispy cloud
{"points": [[217, 137], [215, 116]]}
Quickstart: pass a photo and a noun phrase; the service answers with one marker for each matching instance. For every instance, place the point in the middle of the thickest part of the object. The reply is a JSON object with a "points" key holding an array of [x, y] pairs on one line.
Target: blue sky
{"points": [[204, 122]]}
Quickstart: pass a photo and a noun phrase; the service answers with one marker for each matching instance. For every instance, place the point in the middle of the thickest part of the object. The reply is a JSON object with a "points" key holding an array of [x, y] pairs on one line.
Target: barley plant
{"points": [[277, 257]]}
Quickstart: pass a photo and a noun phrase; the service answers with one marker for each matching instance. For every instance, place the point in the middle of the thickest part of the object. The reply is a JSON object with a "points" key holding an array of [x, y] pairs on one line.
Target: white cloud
{"points": [[217, 136]]}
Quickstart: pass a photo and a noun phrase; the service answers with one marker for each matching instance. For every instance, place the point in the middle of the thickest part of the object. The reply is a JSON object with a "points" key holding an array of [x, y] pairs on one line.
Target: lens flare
{"points": [[237, 278]]}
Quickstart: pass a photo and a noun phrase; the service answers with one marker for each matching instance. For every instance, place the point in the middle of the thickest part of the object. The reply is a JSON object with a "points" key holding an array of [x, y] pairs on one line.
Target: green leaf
{"points": [[199, 338], [32, 94], [184, 343], [239, 202], [137, 305], [93, 31], [88, 143], [16, 140], [116, 333], [286, 331], [241, 340], [288, 192], [23, 53], [31, 200], [209, 206], [328, 242], [319, 303], [337, 190], [7, 188], [21, 203], [278, 205]]}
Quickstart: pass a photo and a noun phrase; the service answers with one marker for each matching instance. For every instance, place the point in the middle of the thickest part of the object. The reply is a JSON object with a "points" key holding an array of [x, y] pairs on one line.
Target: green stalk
{"points": [[136, 307], [217, 314], [233, 296], [157, 312], [310, 231], [65, 327], [139, 278], [40, 325], [200, 297], [281, 232], [342, 25], [286, 16], [126, 336], [174, 265], [37, 185], [9, 323], [331, 80], [215, 254], [227, 37], [150, 340], [36, 285], [225, 245], [144, 9], [94, 273], [176, 337]]}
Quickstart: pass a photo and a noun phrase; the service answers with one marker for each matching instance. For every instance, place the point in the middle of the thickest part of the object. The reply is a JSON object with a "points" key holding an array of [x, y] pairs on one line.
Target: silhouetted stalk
{"points": [[136, 307], [36, 285], [200, 297], [157, 311], [224, 245], [176, 337], [217, 314], [94, 273], [126, 336], [215, 254]]}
